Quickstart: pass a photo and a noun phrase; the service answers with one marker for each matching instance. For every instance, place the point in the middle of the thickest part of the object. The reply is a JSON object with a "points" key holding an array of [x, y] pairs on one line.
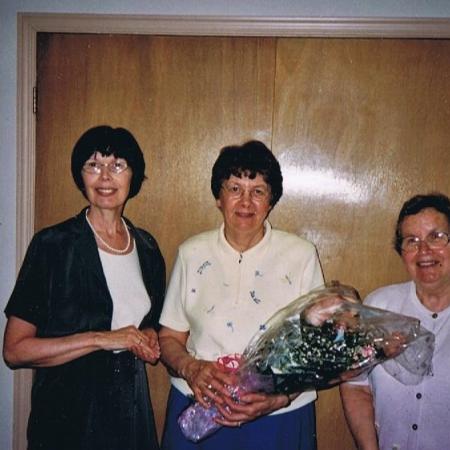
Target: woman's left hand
{"points": [[250, 407], [148, 349]]}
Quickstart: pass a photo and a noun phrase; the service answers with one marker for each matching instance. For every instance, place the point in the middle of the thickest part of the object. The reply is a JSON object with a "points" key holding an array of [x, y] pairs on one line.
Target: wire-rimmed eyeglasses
{"points": [[434, 240], [258, 193], [114, 167]]}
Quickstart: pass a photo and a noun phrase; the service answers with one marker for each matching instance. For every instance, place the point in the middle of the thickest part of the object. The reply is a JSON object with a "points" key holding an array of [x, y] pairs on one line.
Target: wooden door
{"points": [[358, 125]]}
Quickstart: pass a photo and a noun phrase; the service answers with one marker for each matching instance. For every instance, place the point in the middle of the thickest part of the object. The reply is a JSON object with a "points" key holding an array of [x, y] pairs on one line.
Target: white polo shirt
{"points": [[223, 297]]}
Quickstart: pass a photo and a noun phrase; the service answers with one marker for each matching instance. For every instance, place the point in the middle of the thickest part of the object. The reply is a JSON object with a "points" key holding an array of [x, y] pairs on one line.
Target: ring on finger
{"points": [[209, 386]]}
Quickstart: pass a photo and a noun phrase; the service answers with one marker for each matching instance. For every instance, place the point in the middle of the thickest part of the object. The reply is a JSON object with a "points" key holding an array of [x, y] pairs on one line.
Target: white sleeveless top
{"points": [[124, 279]]}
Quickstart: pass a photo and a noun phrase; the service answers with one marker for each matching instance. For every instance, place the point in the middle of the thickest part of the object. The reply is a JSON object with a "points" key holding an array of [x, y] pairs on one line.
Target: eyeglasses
{"points": [[435, 240], [115, 167], [236, 191]]}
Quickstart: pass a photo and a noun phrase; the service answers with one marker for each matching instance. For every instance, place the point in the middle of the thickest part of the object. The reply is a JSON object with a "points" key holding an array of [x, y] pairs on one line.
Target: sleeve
{"points": [[28, 300], [380, 298], [312, 275], [173, 314]]}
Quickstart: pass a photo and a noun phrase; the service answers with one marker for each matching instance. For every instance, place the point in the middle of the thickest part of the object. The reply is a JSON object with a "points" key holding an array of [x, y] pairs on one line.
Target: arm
{"points": [[205, 378], [21, 347], [359, 412]]}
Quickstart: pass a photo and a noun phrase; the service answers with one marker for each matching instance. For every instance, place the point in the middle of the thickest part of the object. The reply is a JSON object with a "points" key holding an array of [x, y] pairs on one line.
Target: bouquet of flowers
{"points": [[320, 339]]}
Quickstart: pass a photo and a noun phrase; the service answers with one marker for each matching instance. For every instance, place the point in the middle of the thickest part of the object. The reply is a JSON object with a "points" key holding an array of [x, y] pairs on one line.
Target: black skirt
{"points": [[106, 407]]}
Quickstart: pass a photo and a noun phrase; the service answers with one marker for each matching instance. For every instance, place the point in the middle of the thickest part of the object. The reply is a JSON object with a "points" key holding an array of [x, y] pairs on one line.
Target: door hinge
{"points": [[35, 94]]}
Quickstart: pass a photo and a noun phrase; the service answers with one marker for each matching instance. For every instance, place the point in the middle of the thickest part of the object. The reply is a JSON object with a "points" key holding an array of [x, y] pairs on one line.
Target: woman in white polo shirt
{"points": [[224, 286]]}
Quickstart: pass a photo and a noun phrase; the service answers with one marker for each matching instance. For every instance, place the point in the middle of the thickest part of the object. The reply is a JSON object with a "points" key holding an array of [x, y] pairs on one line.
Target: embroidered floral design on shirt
{"points": [[288, 278], [254, 297], [193, 291], [262, 327], [210, 309], [203, 267], [230, 326], [258, 273]]}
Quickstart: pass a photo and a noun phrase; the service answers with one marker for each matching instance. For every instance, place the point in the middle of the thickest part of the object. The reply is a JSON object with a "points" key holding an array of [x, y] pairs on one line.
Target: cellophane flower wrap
{"points": [[320, 339]]}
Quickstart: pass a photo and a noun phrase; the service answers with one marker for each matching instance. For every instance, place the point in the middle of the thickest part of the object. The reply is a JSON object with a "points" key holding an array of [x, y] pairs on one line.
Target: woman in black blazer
{"points": [[85, 309]]}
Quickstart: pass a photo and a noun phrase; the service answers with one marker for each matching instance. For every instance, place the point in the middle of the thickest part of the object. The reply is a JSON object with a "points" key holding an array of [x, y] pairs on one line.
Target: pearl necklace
{"points": [[115, 250]]}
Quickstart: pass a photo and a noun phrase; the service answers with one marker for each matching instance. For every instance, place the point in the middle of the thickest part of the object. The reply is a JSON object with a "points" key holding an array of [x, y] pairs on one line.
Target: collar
{"points": [[261, 246]]}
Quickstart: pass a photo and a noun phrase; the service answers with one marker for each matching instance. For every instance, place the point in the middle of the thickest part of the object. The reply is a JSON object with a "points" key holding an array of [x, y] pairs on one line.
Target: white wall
{"points": [[8, 84]]}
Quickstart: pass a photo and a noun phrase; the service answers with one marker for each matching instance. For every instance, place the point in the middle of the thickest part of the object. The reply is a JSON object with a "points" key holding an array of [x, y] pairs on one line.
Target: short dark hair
{"points": [[414, 205], [249, 159], [107, 141]]}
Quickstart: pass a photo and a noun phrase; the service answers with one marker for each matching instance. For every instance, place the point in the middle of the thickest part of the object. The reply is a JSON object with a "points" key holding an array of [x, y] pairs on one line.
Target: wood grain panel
{"points": [[360, 126]]}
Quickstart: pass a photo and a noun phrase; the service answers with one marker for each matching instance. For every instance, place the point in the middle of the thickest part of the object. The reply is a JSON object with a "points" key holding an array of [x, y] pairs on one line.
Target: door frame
{"points": [[28, 25]]}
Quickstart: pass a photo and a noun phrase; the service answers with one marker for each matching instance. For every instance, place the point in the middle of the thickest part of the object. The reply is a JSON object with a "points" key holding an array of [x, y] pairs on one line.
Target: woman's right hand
{"points": [[207, 380]]}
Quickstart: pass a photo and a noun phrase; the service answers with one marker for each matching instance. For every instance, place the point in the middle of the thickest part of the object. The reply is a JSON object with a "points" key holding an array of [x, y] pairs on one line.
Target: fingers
{"points": [[145, 356], [129, 336], [138, 339], [152, 341], [229, 419], [147, 345], [215, 392], [145, 353], [120, 339], [250, 407], [208, 394], [143, 343], [206, 382], [230, 423]]}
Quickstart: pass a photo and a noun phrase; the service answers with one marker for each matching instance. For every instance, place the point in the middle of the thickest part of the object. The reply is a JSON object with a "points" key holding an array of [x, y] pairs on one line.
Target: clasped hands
{"points": [[212, 384], [143, 343]]}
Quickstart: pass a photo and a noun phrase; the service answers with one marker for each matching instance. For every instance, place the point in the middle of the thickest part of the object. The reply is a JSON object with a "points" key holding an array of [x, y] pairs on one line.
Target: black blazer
{"points": [[61, 287]]}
